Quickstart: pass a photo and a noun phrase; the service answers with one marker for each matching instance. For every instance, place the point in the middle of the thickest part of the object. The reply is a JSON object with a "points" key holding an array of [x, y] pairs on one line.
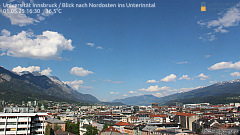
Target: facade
{"points": [[22, 123]]}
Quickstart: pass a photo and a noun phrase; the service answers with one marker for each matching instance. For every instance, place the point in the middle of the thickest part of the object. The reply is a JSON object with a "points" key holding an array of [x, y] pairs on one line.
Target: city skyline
{"points": [[115, 53]]}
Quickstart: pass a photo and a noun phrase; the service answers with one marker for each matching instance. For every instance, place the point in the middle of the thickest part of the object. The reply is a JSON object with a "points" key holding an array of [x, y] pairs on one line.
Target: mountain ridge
{"points": [[28, 83], [138, 100], [214, 90], [220, 92]]}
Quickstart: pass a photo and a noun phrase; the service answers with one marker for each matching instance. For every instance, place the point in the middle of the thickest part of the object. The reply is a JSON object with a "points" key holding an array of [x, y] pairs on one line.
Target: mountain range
{"points": [[31, 86], [219, 93], [26, 86], [138, 100]]}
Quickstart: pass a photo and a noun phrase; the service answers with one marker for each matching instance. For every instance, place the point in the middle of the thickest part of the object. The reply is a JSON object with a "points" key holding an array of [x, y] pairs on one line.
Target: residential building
{"points": [[22, 123]]}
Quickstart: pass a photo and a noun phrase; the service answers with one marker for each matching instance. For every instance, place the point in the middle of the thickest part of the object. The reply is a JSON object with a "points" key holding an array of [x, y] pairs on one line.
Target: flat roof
{"points": [[22, 114]]}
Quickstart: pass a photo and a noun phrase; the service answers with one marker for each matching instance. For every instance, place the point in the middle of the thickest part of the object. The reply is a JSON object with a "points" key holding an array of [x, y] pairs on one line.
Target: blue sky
{"points": [[116, 53]]}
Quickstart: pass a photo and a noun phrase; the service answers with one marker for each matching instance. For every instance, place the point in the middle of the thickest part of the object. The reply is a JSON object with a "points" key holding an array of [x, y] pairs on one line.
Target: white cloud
{"points": [[79, 71], [207, 56], [2, 54], [213, 82], [221, 65], [155, 88], [44, 14], [107, 80], [46, 72], [90, 44], [31, 69], [5, 32], [185, 89], [228, 19], [93, 44], [19, 19], [170, 78], [117, 82], [125, 95], [159, 95], [235, 74], [74, 84], [185, 77], [225, 65], [182, 62], [22, 19], [49, 45], [202, 76], [132, 92], [172, 91], [235, 65], [152, 81], [114, 92], [99, 47]]}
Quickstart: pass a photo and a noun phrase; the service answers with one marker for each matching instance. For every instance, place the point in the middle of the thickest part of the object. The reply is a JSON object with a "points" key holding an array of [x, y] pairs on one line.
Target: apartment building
{"points": [[22, 123]]}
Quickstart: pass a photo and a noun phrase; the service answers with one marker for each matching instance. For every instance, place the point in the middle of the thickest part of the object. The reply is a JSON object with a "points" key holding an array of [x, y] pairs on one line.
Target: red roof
{"points": [[185, 114], [122, 124], [154, 115], [208, 113], [110, 129], [60, 132], [134, 117]]}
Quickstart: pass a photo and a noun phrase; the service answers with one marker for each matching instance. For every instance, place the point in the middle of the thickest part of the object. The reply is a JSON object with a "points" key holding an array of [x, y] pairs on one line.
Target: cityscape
{"points": [[59, 118], [119, 67]]}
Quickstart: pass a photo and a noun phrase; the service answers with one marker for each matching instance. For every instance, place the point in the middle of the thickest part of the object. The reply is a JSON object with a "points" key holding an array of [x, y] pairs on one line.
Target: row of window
{"points": [[13, 123], [14, 129], [13, 117]]}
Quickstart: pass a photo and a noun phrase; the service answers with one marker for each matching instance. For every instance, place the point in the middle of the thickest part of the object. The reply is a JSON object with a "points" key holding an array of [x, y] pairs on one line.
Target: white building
{"points": [[22, 123]]}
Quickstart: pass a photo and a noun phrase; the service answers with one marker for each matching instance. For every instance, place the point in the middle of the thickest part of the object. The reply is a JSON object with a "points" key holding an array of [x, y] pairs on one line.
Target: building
{"points": [[53, 121], [154, 105], [159, 118], [186, 120], [22, 123], [111, 131], [18, 110]]}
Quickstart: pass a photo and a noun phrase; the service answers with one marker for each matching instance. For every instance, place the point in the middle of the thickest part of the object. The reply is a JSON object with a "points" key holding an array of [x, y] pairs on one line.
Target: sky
{"points": [[114, 53]]}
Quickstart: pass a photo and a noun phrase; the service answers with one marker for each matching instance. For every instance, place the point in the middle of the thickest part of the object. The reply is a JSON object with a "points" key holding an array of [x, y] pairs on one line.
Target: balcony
{"points": [[11, 120], [23, 126], [24, 119], [23, 132]]}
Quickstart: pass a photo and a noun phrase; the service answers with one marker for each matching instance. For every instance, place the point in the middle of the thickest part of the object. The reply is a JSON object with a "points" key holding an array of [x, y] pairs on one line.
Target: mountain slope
{"points": [[208, 93], [138, 100], [27, 83]]}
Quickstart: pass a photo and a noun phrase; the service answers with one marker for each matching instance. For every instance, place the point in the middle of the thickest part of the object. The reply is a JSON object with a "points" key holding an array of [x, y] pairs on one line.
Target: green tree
{"points": [[58, 117], [57, 127], [91, 130], [72, 127], [105, 126], [48, 130]]}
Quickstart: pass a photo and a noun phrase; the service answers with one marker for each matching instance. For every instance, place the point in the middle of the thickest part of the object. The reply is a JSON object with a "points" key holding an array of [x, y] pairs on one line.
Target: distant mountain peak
{"points": [[147, 99], [225, 82]]}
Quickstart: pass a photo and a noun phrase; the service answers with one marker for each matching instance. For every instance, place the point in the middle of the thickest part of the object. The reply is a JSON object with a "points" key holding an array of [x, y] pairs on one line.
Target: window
{"points": [[11, 123], [22, 123]]}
